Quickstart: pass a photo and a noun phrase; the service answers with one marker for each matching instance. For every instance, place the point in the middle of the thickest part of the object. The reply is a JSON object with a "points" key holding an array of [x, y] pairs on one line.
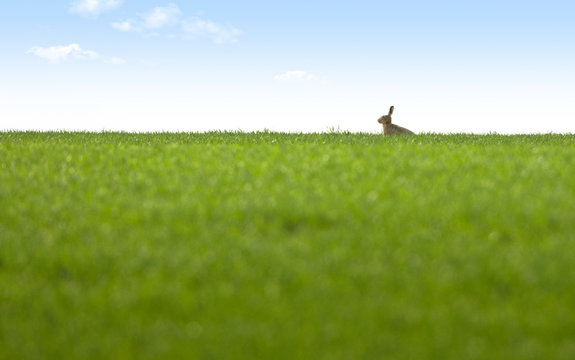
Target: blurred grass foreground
{"points": [[286, 246]]}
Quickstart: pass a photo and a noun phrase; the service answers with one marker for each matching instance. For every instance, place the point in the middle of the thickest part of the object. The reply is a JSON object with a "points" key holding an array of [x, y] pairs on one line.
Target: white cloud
{"points": [[219, 34], [94, 7], [115, 60], [151, 22], [60, 53], [296, 75], [161, 17], [155, 19], [126, 25], [57, 54]]}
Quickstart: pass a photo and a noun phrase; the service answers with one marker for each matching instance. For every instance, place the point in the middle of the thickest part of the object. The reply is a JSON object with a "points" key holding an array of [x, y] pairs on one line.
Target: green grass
{"points": [[286, 246]]}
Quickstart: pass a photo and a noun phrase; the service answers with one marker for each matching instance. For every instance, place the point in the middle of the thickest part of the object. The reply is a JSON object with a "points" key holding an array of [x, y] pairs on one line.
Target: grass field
{"points": [[286, 246]]}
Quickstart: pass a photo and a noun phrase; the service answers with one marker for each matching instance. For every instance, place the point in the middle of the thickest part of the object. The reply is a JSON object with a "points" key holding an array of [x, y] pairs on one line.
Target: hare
{"points": [[389, 128]]}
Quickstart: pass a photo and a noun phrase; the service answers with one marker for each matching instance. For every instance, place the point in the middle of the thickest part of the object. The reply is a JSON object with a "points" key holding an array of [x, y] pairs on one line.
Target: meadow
{"points": [[230, 245]]}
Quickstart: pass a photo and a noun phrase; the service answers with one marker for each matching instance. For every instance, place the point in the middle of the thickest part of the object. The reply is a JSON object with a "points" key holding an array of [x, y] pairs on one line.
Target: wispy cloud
{"points": [[56, 54], [190, 28], [155, 19], [161, 17], [196, 27], [125, 25], [114, 60], [295, 75], [94, 7]]}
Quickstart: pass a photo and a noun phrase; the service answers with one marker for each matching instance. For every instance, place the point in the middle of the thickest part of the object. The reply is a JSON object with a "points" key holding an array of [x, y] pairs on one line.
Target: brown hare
{"points": [[392, 129]]}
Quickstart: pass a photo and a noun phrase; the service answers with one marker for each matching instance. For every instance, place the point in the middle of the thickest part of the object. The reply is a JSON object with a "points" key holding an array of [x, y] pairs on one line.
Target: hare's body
{"points": [[392, 129]]}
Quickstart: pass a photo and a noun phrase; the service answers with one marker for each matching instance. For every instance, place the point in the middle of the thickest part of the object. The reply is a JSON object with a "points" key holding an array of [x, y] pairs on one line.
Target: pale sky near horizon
{"points": [[299, 66]]}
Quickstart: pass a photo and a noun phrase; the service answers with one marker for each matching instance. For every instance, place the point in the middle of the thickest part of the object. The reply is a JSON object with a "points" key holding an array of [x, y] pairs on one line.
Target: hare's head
{"points": [[386, 119]]}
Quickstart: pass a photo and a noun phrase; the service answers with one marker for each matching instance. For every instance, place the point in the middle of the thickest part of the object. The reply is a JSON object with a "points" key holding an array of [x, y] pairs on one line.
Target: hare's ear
{"points": [[390, 111]]}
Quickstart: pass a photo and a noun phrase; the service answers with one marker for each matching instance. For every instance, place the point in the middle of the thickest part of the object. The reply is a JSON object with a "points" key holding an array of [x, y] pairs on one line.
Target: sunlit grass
{"points": [[270, 245]]}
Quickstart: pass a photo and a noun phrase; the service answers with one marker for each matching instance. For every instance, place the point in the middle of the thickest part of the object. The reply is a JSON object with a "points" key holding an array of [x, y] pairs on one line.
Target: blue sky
{"points": [[447, 66]]}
